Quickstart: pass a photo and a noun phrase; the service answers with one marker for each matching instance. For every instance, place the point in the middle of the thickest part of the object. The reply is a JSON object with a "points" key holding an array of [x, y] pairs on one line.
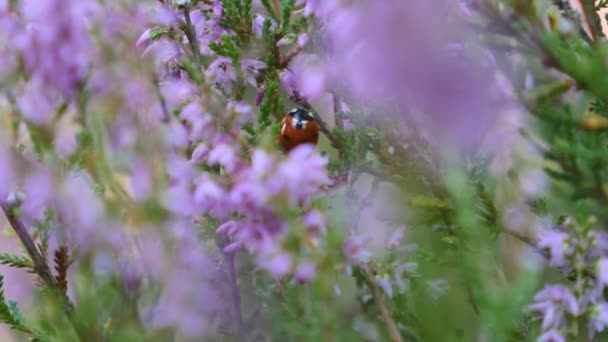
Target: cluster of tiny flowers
{"points": [[248, 189], [582, 254]]}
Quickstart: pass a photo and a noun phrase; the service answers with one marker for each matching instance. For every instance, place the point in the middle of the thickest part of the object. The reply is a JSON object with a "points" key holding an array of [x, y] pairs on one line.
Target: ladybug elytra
{"points": [[298, 127]]}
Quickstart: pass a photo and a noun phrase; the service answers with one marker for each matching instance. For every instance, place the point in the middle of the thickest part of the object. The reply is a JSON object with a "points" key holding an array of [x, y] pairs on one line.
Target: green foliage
{"points": [[159, 32], [16, 261], [12, 316]]}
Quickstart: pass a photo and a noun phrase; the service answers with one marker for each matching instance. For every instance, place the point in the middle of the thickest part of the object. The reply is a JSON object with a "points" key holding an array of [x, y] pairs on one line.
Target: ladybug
{"points": [[298, 127]]}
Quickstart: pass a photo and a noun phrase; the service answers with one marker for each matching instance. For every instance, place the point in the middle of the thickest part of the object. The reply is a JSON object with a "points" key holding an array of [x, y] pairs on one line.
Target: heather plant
{"points": [[456, 192]]}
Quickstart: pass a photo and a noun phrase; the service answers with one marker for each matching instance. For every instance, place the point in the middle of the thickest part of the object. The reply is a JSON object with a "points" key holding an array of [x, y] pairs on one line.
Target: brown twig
{"points": [[387, 316], [61, 266], [592, 19], [289, 56], [41, 268]]}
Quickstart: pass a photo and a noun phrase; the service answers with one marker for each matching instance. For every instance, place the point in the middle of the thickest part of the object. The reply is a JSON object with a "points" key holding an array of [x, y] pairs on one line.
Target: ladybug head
{"points": [[300, 117]]}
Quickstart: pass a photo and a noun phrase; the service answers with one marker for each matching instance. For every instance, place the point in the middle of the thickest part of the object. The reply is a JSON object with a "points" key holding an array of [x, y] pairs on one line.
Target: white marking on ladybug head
{"points": [[283, 127], [299, 124]]}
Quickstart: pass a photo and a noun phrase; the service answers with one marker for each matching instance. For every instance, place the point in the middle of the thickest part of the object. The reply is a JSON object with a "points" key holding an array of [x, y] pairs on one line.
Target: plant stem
{"points": [[236, 295], [387, 317], [41, 268]]}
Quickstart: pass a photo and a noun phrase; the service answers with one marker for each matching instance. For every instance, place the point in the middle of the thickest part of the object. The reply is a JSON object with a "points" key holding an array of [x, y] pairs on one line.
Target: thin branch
{"points": [[289, 56], [387, 316], [191, 35], [41, 268], [592, 19], [234, 289], [570, 13]]}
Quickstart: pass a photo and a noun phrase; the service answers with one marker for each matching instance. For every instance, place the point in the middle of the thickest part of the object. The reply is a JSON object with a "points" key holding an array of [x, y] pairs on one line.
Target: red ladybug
{"points": [[298, 127]]}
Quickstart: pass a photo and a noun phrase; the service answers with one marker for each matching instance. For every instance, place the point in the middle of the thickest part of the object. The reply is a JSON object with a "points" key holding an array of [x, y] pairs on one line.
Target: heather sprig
{"points": [[459, 179]]}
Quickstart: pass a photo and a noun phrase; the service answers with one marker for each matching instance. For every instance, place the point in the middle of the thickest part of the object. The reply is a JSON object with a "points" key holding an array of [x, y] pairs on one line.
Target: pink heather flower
{"points": [[298, 181], [288, 81], [602, 273], [162, 51], [57, 48], [209, 196], [302, 39], [176, 135], [314, 222], [221, 73], [308, 77], [378, 57], [238, 114], [179, 199], [144, 39], [305, 272], [259, 96], [552, 302], [395, 238], [81, 220], [278, 265], [141, 179], [226, 156], [355, 252], [384, 282], [39, 190], [199, 153], [7, 175], [557, 244], [599, 319], [552, 336], [164, 15], [252, 67], [36, 103], [258, 24]]}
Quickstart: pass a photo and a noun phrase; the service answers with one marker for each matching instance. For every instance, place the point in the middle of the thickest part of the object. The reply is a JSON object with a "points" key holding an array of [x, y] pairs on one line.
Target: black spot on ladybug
{"points": [[315, 136], [286, 137]]}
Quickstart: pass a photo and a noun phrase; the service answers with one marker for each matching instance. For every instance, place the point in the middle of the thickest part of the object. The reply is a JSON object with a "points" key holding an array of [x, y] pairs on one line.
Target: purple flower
{"points": [[252, 67], [384, 282], [377, 55], [552, 302], [259, 95], [221, 73], [301, 182], [314, 222], [288, 81], [602, 273], [80, 220], [599, 319], [355, 252], [226, 156], [305, 272], [557, 244], [36, 103], [40, 192], [551, 336], [258, 24], [278, 265], [7, 175], [144, 39], [395, 238], [57, 48], [199, 153]]}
